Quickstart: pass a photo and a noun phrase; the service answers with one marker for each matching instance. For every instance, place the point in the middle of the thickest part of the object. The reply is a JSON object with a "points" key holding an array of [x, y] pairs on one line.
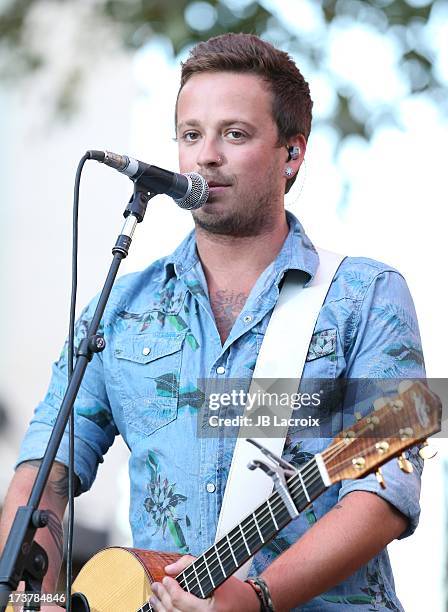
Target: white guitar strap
{"points": [[282, 356]]}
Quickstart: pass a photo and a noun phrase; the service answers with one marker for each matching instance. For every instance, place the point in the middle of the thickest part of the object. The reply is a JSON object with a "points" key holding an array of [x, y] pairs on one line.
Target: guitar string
{"points": [[203, 565], [330, 452], [201, 568], [333, 451], [306, 470]]}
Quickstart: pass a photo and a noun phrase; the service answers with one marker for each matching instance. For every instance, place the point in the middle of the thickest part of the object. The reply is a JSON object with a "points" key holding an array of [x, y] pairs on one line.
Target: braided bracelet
{"points": [[258, 593], [262, 590]]}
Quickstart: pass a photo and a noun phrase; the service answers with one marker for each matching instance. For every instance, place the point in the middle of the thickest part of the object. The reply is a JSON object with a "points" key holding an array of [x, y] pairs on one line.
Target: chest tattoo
{"points": [[226, 305]]}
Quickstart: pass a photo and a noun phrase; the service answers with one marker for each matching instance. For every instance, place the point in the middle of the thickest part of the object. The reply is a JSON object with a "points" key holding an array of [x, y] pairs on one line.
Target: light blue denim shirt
{"points": [[162, 340]]}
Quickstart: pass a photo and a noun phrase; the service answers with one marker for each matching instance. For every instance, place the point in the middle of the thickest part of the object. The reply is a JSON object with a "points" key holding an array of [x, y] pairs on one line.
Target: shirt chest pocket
{"points": [[322, 354], [149, 367]]}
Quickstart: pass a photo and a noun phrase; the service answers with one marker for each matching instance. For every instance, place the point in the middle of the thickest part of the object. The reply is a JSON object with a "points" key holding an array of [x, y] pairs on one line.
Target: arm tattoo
{"points": [[55, 528], [59, 479], [60, 485], [53, 523]]}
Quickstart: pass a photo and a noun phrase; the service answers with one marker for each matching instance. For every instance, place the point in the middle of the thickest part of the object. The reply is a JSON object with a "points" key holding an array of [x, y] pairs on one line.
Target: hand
{"points": [[233, 595]]}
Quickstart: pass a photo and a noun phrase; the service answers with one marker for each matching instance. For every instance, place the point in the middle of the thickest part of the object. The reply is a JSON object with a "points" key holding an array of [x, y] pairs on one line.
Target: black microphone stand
{"points": [[23, 558]]}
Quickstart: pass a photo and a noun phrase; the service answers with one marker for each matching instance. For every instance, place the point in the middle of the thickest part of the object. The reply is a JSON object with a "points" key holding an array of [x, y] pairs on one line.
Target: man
{"points": [[243, 118]]}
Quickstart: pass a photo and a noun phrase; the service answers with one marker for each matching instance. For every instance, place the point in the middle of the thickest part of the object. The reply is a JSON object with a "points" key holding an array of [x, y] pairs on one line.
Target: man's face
{"points": [[226, 133]]}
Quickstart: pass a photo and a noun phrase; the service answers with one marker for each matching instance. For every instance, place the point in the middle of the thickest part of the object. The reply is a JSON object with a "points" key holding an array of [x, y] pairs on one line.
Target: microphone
{"points": [[189, 191]]}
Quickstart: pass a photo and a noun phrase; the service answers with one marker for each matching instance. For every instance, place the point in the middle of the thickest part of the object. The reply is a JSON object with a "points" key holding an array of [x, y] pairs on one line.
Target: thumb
{"points": [[179, 565]]}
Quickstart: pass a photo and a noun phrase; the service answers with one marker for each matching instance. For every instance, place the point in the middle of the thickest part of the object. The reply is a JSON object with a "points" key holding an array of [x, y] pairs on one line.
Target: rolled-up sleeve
{"points": [[94, 425], [385, 349]]}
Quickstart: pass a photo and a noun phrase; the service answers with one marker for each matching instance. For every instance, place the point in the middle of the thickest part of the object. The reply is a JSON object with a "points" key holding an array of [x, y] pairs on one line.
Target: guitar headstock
{"points": [[396, 424]]}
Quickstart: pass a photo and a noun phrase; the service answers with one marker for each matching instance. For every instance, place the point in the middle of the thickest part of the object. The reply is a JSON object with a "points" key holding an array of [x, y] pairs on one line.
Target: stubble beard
{"points": [[247, 214]]}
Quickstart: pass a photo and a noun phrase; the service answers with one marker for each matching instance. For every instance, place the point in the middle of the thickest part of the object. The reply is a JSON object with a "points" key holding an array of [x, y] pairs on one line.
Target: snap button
{"points": [[220, 370], [247, 319], [146, 350], [210, 487]]}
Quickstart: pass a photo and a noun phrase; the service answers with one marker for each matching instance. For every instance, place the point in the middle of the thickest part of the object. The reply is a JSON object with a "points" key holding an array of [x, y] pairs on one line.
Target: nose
{"points": [[209, 155]]}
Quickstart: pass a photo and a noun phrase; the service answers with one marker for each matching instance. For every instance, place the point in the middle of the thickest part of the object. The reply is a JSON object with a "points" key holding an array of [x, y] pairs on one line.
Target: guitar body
{"points": [[119, 579]]}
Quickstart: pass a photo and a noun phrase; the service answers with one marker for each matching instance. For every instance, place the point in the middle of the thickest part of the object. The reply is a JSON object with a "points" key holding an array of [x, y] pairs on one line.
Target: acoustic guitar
{"points": [[403, 421]]}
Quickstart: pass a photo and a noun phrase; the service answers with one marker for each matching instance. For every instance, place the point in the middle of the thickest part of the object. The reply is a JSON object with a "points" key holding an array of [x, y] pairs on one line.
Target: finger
{"points": [[155, 599], [165, 601], [156, 604], [179, 565], [176, 597]]}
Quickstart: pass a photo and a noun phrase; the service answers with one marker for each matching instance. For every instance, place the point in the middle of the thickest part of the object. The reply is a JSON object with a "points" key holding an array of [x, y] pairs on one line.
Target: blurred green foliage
{"points": [[133, 23]]}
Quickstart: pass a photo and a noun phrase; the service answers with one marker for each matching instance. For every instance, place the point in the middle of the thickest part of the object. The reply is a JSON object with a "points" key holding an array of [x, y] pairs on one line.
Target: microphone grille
{"points": [[197, 195]]}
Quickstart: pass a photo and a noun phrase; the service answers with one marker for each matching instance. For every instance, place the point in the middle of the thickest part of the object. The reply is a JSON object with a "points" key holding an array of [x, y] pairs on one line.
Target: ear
{"points": [[296, 148]]}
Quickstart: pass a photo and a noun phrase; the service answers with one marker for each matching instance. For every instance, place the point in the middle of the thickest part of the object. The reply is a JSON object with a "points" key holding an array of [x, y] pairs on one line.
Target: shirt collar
{"points": [[297, 253]]}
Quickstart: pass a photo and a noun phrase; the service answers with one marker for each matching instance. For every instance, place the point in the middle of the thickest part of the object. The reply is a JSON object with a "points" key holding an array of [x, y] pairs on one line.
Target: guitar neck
{"points": [[220, 561]]}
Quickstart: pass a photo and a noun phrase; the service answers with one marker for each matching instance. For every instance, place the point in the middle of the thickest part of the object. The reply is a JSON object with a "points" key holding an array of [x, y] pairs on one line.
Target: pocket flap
{"points": [[144, 348], [322, 343]]}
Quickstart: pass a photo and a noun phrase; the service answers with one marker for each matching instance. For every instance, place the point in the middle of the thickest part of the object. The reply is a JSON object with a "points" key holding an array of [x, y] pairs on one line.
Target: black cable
{"points": [[70, 358]]}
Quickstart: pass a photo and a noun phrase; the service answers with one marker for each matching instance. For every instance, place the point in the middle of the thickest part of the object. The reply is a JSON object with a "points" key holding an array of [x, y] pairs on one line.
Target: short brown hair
{"points": [[291, 105]]}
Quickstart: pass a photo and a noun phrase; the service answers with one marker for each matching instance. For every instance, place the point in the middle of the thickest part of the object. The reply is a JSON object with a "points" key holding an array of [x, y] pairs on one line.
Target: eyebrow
{"points": [[223, 123]]}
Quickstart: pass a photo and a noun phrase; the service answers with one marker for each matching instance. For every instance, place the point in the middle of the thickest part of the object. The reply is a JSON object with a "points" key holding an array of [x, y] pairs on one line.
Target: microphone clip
{"points": [[138, 203]]}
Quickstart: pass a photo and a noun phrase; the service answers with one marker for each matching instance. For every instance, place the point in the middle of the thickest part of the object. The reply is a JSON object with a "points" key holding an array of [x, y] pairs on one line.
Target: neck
{"points": [[226, 258]]}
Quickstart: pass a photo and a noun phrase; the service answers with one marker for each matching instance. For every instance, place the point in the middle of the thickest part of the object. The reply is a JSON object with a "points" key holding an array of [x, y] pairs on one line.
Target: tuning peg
{"points": [[404, 464], [379, 403], [359, 462], [382, 447], [380, 478], [406, 432], [397, 405], [404, 386], [426, 451]]}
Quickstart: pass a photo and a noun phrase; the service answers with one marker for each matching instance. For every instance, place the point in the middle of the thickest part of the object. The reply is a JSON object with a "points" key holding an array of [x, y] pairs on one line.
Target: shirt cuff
{"points": [[86, 460], [402, 490]]}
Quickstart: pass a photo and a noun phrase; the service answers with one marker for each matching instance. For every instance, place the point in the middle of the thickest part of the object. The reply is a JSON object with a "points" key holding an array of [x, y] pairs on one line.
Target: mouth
{"points": [[216, 188], [216, 185]]}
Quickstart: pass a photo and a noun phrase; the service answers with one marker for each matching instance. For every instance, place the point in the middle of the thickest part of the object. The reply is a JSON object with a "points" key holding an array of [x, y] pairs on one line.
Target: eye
{"points": [[236, 135], [189, 136]]}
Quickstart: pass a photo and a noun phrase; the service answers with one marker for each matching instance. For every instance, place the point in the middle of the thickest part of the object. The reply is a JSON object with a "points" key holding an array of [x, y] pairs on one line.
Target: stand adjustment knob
{"points": [[97, 343]]}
